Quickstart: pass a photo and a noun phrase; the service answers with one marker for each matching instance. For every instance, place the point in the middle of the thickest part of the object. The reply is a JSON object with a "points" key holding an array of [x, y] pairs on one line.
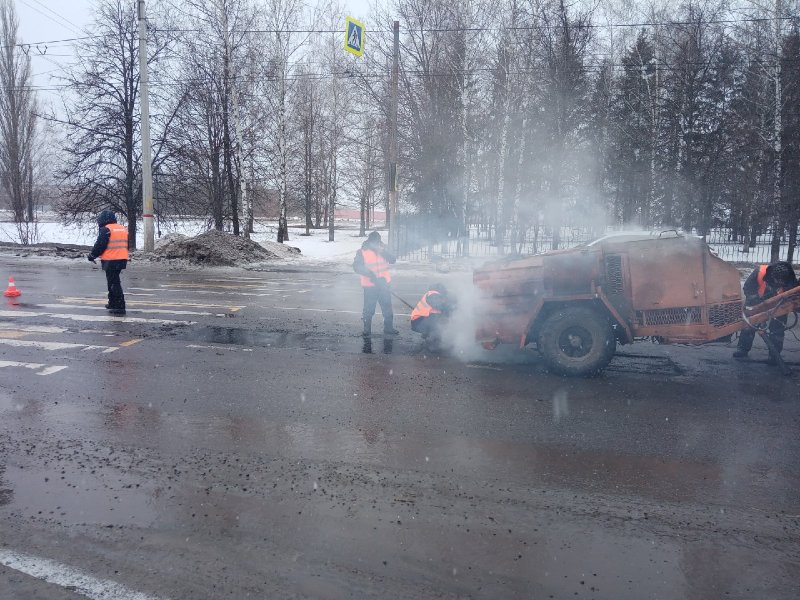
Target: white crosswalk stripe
{"points": [[55, 345], [45, 369], [136, 310], [17, 314], [26, 333]]}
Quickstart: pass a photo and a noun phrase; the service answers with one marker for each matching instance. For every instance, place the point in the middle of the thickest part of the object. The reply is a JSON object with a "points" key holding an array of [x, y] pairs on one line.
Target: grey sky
{"points": [[47, 20]]}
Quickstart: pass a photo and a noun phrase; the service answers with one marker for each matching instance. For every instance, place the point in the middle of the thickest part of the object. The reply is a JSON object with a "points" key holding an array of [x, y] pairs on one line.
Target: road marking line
{"points": [[54, 345], [11, 334], [216, 293], [328, 310], [70, 577], [212, 285], [52, 369], [219, 348], [138, 310], [92, 318], [95, 301], [131, 342], [32, 328], [46, 370]]}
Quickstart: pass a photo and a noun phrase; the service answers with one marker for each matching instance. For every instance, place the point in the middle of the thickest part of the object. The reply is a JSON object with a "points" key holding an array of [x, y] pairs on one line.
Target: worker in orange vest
{"points": [[431, 314], [372, 263], [763, 283], [111, 248]]}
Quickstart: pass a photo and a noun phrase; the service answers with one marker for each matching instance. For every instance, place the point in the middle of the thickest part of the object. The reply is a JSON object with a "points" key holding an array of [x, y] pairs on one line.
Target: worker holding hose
{"points": [[372, 263], [763, 283]]}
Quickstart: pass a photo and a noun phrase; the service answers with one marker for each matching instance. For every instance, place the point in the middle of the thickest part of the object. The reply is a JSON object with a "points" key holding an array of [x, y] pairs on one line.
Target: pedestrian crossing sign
{"points": [[354, 36]]}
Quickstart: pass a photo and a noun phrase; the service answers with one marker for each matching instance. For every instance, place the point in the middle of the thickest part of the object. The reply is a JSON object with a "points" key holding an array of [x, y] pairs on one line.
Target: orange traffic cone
{"points": [[12, 291]]}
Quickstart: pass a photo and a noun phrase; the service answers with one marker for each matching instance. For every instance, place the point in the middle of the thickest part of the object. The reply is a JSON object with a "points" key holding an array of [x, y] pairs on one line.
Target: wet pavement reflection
{"points": [[387, 345]]}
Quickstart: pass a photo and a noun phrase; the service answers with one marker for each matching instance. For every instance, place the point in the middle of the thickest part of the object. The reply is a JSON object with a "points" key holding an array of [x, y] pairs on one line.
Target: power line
{"points": [[433, 29], [51, 42], [59, 15], [70, 25]]}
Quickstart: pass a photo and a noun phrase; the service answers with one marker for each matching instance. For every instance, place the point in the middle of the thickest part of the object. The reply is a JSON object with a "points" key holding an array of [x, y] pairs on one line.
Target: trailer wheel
{"points": [[577, 341]]}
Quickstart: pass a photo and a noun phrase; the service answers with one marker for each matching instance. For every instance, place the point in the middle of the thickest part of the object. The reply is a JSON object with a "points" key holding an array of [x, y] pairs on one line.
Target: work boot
{"points": [[116, 311], [740, 354], [388, 327], [772, 361]]}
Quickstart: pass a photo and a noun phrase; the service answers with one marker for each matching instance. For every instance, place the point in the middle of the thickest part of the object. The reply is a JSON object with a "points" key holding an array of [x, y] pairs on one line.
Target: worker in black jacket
{"points": [[763, 283], [372, 263], [111, 248]]}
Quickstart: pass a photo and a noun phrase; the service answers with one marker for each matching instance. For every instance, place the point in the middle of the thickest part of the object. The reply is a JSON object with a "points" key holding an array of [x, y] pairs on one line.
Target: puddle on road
{"points": [[275, 339], [77, 496], [370, 443], [243, 337]]}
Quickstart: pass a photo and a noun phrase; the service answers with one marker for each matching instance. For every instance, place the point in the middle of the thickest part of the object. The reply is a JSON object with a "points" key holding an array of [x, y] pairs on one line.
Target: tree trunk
{"points": [[283, 229], [792, 239]]}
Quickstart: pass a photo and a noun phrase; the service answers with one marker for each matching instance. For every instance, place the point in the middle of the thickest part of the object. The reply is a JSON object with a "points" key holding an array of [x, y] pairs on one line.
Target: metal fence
{"points": [[424, 239]]}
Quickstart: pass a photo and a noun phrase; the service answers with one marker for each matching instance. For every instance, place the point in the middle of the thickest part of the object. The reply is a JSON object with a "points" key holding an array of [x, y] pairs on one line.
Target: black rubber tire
{"points": [[577, 341]]}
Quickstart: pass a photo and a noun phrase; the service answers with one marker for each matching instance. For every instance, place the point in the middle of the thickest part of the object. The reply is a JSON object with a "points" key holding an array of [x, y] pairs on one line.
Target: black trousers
{"points": [[378, 294], [116, 299], [430, 326], [777, 328]]}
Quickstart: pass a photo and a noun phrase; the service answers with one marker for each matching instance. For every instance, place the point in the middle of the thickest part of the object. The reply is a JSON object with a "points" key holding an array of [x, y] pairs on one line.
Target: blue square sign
{"points": [[354, 37]]}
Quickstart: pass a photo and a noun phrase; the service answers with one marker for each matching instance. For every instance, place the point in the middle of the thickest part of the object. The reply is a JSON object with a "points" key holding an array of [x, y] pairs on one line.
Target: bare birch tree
{"points": [[18, 125]]}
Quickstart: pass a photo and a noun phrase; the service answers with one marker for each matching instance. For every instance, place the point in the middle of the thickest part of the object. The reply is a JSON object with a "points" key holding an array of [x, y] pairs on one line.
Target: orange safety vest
{"points": [[423, 309], [762, 281], [117, 248], [377, 264]]}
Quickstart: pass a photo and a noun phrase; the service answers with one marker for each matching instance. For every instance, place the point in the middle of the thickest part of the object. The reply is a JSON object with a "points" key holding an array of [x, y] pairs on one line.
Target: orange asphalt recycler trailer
{"points": [[577, 304]]}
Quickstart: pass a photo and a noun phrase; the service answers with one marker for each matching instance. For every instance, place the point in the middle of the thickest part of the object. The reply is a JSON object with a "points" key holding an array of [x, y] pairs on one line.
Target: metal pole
{"points": [[392, 216], [147, 175]]}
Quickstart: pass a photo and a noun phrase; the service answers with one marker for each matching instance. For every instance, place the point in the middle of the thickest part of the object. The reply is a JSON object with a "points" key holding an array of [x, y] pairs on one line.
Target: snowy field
{"points": [[315, 246]]}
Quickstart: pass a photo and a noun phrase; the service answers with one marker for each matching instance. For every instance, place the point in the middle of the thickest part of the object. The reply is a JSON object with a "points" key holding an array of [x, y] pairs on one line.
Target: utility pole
{"points": [[238, 132], [394, 242], [147, 175], [777, 221]]}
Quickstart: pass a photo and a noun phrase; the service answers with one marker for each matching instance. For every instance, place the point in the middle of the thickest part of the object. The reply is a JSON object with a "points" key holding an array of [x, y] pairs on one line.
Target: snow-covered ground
{"points": [[317, 247], [314, 246]]}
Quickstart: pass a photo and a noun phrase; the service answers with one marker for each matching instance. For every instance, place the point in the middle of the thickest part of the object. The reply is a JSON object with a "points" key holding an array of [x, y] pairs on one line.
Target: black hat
{"points": [[374, 237], [781, 274], [105, 217]]}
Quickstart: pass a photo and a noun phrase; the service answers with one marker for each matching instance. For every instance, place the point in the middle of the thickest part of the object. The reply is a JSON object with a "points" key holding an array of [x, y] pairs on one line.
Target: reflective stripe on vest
{"points": [[377, 264], [762, 280], [423, 309], [117, 248]]}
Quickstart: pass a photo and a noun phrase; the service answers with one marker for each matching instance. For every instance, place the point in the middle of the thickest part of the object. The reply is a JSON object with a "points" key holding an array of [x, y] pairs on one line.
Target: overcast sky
{"points": [[47, 20]]}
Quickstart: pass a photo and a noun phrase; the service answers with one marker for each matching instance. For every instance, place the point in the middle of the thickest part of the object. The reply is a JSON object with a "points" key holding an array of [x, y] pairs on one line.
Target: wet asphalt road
{"points": [[234, 437]]}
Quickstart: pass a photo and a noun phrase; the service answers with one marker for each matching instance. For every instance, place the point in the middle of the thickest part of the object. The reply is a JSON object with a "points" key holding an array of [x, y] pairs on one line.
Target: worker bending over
{"points": [[763, 283], [431, 314]]}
